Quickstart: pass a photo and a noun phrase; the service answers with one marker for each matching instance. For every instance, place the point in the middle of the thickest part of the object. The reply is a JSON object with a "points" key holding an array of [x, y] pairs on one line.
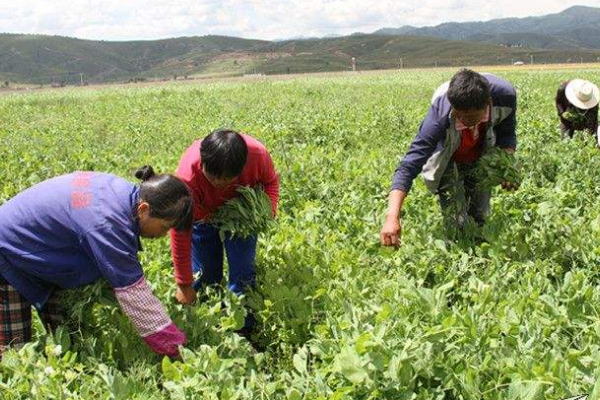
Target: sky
{"points": [[256, 19]]}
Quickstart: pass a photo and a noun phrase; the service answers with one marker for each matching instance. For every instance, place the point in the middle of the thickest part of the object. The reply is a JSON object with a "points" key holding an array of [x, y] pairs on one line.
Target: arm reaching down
{"points": [[150, 319], [181, 252], [391, 233], [115, 252], [270, 181]]}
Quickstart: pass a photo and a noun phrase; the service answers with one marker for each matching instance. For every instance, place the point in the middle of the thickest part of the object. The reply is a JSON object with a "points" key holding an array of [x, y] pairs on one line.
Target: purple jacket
{"points": [[73, 230]]}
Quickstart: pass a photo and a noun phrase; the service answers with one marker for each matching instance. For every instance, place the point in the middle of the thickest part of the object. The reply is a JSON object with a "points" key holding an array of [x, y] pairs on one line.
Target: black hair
{"points": [[469, 90], [168, 197], [224, 153]]}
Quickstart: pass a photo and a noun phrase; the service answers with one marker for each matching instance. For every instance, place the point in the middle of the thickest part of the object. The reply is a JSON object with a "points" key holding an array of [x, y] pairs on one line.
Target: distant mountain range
{"points": [[572, 35], [575, 27]]}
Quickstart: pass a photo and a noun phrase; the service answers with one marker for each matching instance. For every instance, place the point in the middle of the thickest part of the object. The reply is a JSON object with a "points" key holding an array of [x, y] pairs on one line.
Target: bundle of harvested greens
{"points": [[248, 214], [574, 117], [497, 166]]}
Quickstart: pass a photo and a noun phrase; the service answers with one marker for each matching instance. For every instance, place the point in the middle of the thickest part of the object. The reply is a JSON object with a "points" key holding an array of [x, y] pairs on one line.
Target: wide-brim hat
{"points": [[582, 94]]}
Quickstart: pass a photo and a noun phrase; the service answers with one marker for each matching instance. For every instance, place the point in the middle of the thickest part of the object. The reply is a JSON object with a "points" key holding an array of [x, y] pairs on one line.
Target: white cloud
{"points": [[152, 19]]}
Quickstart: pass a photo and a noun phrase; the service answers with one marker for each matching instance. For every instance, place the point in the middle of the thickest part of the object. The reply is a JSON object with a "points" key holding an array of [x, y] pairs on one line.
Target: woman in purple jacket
{"points": [[75, 229]]}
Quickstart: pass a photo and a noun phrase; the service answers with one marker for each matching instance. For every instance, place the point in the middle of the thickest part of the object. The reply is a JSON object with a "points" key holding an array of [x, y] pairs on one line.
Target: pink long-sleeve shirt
{"points": [[259, 169]]}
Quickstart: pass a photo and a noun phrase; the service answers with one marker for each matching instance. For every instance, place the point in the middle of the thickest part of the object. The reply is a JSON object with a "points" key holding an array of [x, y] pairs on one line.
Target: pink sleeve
{"points": [[149, 318], [270, 180]]}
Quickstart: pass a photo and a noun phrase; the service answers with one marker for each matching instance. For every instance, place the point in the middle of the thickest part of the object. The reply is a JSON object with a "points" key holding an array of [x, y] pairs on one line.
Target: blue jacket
{"points": [[68, 232], [432, 149]]}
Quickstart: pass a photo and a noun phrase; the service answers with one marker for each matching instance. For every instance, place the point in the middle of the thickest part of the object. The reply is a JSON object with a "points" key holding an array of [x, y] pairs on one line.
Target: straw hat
{"points": [[582, 94]]}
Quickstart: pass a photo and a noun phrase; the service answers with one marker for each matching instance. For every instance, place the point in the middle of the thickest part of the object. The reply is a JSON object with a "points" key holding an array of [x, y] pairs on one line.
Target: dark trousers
{"points": [[207, 258], [460, 197]]}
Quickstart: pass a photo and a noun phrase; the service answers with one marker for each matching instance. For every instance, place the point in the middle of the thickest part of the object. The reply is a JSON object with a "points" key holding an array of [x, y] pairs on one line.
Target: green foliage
{"points": [[575, 117], [515, 317], [249, 213], [497, 166]]}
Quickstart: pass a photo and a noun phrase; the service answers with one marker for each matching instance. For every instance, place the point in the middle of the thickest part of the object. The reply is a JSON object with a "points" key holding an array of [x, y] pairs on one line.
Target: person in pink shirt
{"points": [[213, 168]]}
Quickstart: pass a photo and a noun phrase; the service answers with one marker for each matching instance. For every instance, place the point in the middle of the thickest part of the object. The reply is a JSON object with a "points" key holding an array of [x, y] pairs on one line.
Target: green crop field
{"points": [[514, 317]]}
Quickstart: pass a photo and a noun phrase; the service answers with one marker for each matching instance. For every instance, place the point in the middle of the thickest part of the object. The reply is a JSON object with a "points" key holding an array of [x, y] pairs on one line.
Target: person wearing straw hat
{"points": [[577, 107]]}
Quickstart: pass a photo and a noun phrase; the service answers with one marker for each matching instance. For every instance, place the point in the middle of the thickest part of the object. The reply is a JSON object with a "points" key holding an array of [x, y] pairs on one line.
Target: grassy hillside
{"points": [[51, 59], [379, 51], [47, 59]]}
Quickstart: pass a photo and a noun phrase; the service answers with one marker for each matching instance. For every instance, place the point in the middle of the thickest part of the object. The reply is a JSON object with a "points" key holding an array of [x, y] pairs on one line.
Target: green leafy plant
{"points": [[247, 214], [514, 317], [574, 117], [497, 166]]}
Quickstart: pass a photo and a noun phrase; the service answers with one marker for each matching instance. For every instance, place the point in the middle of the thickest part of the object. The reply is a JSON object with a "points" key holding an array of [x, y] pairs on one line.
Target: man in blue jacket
{"points": [[469, 115]]}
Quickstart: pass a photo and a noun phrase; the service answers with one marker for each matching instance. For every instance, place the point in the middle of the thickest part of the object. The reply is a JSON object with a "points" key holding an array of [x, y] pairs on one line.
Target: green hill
{"points": [[54, 59], [47, 59], [382, 52]]}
